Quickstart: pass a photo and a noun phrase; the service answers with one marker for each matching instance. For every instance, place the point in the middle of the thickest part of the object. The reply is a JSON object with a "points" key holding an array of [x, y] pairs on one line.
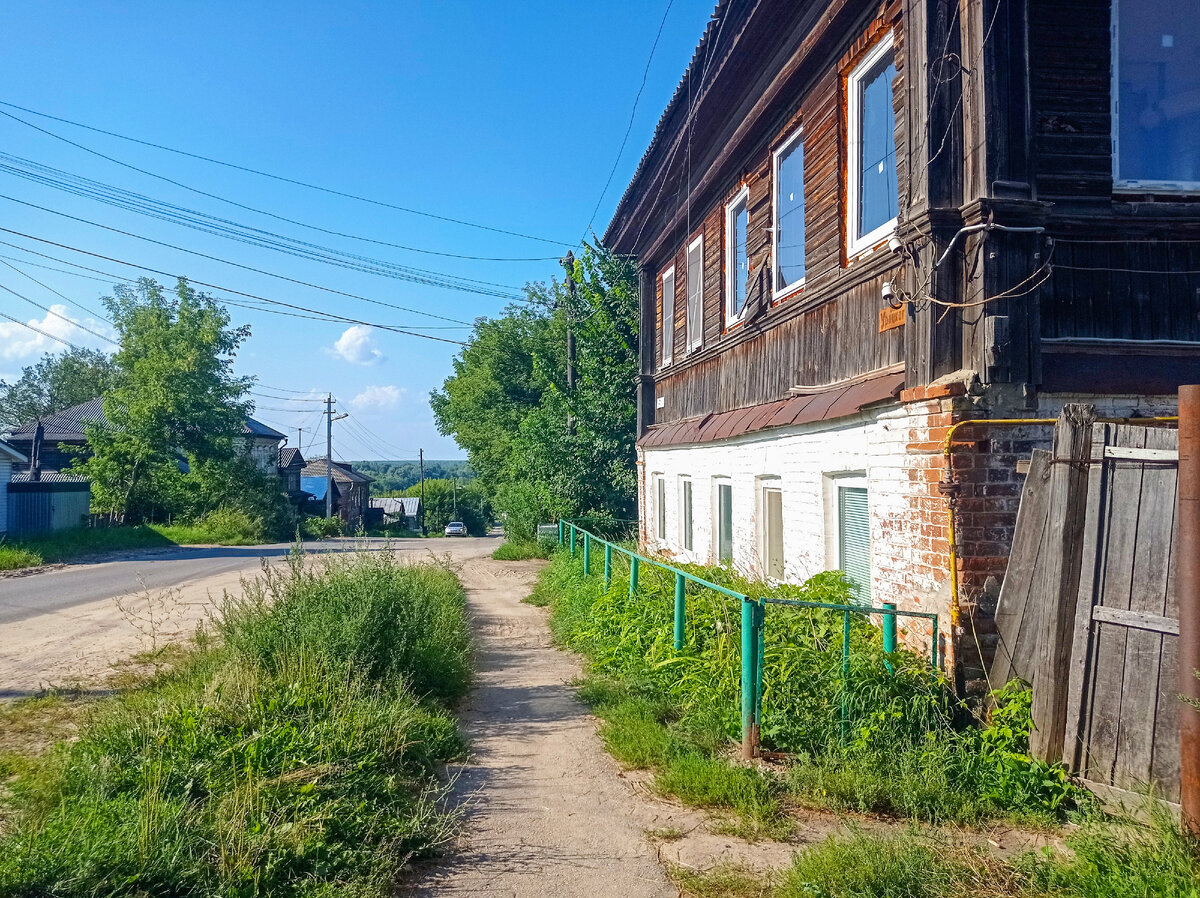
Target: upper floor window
{"points": [[873, 201], [695, 293], [737, 264], [1156, 94], [788, 233], [668, 315]]}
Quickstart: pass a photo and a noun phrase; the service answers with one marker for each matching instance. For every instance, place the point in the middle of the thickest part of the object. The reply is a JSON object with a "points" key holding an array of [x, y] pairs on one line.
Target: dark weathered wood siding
{"points": [[828, 330]]}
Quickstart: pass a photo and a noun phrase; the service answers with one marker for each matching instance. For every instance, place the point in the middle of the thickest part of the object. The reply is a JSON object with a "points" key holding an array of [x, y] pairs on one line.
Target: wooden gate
{"points": [[1089, 612], [1122, 726]]}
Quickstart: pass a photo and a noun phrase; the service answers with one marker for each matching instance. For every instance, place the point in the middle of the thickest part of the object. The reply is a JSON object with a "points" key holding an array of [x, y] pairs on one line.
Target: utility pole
{"points": [[568, 263], [329, 456], [329, 419], [421, 454]]}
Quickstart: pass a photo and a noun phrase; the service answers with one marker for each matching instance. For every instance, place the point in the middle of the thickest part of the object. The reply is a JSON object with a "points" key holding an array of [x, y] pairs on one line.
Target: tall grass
{"points": [[293, 755], [900, 750]]}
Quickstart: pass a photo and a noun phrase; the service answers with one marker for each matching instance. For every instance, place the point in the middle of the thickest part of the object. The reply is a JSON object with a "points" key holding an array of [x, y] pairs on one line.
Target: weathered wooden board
{"points": [[1017, 611]]}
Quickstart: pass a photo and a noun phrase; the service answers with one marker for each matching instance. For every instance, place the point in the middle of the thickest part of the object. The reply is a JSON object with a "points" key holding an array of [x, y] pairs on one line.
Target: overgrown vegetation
{"points": [[899, 751], [1102, 861], [522, 550], [293, 754], [544, 450]]}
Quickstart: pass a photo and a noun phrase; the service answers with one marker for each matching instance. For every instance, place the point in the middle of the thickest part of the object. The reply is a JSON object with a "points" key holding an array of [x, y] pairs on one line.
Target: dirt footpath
{"points": [[548, 813]]}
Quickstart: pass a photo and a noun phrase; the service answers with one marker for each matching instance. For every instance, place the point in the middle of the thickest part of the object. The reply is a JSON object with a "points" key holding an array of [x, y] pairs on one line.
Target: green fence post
{"points": [[633, 572], [679, 612], [587, 553], [572, 540], [749, 675], [845, 674], [889, 633], [607, 565], [760, 653], [933, 651], [560, 531]]}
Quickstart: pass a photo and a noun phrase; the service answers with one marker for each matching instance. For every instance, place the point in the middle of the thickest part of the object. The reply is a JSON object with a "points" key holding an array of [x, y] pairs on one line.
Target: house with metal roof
{"points": [[52, 443], [351, 489]]}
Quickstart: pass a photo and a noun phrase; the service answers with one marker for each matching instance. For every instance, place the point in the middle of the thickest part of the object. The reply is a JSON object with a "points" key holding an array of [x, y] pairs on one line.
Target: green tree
{"points": [[444, 503], [56, 382], [507, 403], [175, 406]]}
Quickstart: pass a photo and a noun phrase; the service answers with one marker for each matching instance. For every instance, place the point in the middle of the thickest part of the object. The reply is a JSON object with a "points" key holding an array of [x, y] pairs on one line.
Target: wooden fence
{"points": [[1088, 612]]}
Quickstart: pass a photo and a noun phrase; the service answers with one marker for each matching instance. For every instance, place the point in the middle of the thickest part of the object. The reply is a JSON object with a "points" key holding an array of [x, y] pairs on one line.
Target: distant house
{"points": [[351, 490], [290, 467], [68, 428], [400, 510], [8, 457]]}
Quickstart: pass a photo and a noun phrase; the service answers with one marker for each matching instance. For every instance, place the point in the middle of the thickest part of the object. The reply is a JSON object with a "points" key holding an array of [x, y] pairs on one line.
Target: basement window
{"points": [[695, 293], [788, 232], [852, 521], [660, 507], [685, 512], [772, 529], [723, 525], [873, 199], [668, 316], [737, 264], [1156, 95]]}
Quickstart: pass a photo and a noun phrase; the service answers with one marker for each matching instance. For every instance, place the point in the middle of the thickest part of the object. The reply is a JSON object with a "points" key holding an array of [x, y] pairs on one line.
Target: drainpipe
{"points": [[1189, 603]]}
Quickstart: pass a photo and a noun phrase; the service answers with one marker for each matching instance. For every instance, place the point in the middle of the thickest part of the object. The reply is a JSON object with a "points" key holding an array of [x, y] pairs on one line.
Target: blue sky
{"points": [[505, 114]]}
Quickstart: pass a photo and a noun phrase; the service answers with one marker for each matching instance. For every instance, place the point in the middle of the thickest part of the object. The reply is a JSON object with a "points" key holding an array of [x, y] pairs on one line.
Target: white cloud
{"points": [[378, 398], [18, 343], [357, 346]]}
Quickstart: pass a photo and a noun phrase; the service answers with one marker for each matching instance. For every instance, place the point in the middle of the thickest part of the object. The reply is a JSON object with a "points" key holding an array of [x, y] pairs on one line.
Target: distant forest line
{"points": [[395, 476]]}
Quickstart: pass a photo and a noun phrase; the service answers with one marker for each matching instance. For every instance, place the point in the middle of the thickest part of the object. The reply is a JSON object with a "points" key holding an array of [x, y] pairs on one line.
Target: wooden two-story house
{"points": [[859, 223]]}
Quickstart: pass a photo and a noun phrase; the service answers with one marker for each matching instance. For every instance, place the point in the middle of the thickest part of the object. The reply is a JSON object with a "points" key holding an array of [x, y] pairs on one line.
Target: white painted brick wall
{"points": [[805, 459]]}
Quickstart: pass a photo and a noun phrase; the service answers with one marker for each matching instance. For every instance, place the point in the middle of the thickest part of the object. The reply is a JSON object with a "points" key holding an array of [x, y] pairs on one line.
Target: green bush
{"points": [[898, 750], [322, 528], [231, 525], [295, 756]]}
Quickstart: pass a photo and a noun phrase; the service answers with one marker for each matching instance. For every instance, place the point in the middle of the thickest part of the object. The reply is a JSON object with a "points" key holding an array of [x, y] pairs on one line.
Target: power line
{"points": [[287, 246], [632, 115], [328, 315], [62, 296], [31, 327], [263, 174], [50, 311]]}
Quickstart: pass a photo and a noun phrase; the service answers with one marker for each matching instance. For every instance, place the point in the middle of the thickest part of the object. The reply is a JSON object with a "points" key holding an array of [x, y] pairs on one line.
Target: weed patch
{"points": [[521, 550], [294, 755], [898, 750]]}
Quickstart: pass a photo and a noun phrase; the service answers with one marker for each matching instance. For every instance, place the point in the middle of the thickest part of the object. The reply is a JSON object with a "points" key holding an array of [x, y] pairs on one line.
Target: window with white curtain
{"points": [[695, 293]]}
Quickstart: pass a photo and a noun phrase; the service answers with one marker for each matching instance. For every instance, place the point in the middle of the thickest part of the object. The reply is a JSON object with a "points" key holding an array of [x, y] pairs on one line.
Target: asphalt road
{"points": [[58, 589]]}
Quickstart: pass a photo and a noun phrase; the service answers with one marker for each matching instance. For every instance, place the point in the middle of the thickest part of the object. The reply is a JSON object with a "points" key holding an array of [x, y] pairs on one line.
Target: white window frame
{"points": [[741, 198], [660, 507], [695, 316], [856, 245], [768, 483], [778, 293], [687, 539], [1131, 184], [668, 325], [853, 480], [717, 482]]}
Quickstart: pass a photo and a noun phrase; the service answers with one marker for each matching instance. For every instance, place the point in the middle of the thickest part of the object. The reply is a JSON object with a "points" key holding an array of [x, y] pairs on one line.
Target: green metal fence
{"points": [[570, 533]]}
